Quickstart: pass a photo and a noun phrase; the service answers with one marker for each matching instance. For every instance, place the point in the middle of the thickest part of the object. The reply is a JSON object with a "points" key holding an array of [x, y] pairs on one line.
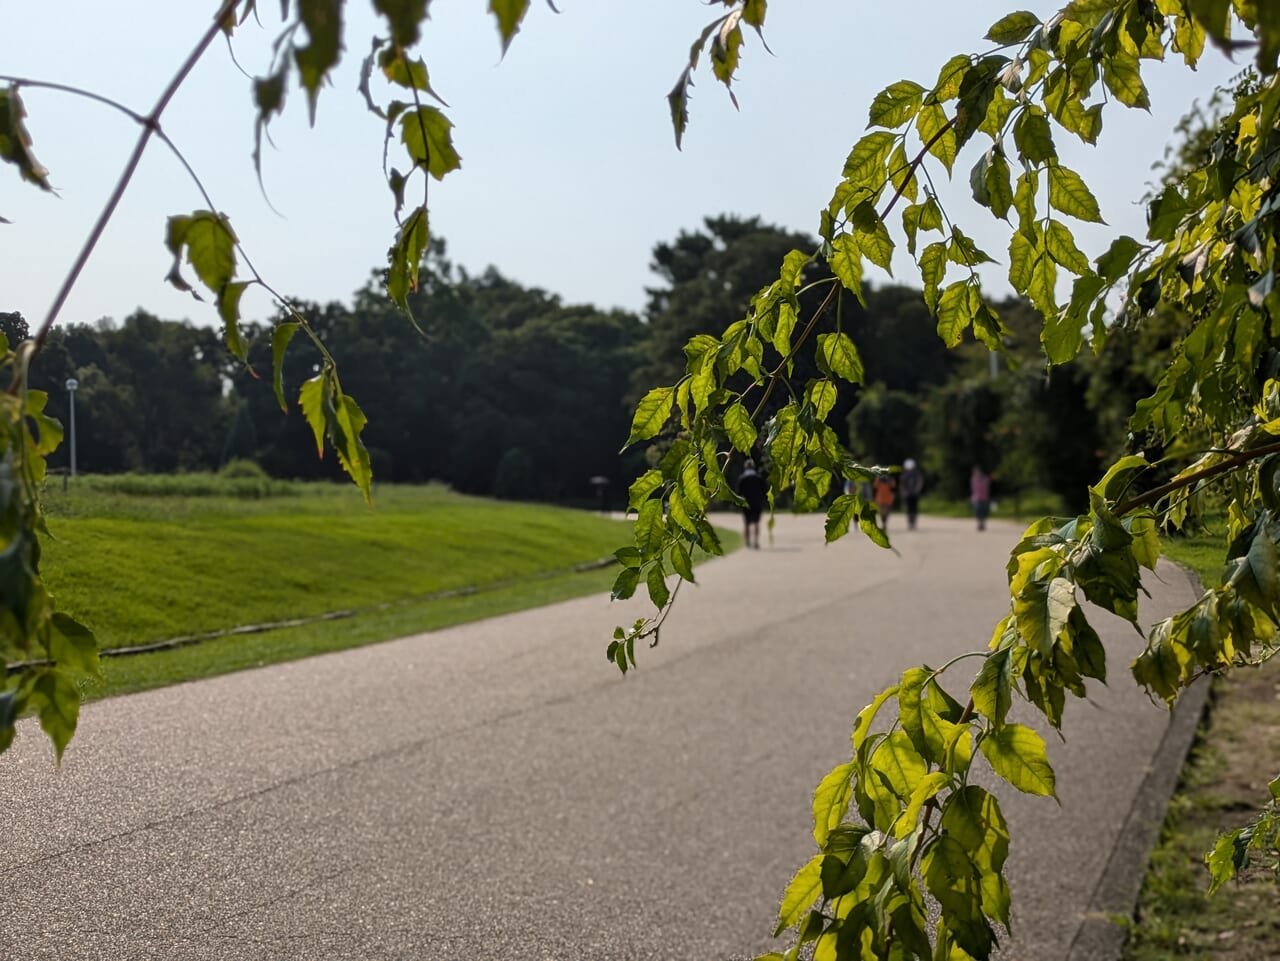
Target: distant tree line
{"points": [[502, 389]]}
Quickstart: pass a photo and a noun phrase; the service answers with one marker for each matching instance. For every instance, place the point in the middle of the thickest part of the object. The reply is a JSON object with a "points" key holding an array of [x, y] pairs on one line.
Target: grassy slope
{"points": [[1236, 752], [141, 569]]}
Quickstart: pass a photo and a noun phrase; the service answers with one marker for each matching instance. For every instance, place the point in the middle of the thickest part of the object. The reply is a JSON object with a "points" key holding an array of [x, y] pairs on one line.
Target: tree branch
{"points": [[911, 167], [150, 124], [1230, 464]]}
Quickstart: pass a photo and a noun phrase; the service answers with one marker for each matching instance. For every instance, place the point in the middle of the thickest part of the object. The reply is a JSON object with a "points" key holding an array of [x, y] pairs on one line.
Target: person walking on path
{"points": [[980, 495], [912, 488], [753, 489], [883, 489]]}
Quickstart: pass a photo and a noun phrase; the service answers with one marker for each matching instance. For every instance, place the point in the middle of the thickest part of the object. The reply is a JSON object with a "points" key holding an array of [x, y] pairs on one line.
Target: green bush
{"points": [[242, 467]]}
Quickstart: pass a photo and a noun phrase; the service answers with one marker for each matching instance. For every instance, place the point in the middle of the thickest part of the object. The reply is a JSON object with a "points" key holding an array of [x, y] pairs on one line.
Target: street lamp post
{"points": [[72, 384]]}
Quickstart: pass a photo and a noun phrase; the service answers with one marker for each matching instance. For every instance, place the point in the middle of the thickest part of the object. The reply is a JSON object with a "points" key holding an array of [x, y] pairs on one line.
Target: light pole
{"points": [[72, 384]]}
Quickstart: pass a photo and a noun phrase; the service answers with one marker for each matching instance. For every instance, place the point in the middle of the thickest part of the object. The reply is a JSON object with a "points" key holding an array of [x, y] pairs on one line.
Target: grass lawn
{"points": [[1236, 752], [1029, 507], [145, 567]]}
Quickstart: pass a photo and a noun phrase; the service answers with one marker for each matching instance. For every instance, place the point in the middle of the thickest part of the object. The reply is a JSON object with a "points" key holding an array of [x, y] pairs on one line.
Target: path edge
{"points": [[1103, 927]]}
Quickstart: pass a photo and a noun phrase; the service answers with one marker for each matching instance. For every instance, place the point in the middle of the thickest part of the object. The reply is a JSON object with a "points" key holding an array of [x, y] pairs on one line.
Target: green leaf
{"points": [[1123, 76], [624, 586], [726, 47], [992, 689], [839, 515], [311, 400], [209, 243], [405, 256], [72, 646], [1115, 263], [1061, 246], [872, 236], [896, 104], [1224, 859], [650, 532], [901, 764], [1086, 647], [1024, 202], [737, 424], [229, 310], [910, 711], [509, 14], [652, 414], [753, 12], [15, 141], [934, 128], [1042, 609], [1069, 194], [862, 724], [323, 20], [681, 562], [404, 17], [821, 394], [56, 699], [1033, 138], [955, 311], [927, 788], [1044, 284], [346, 426], [950, 78], [678, 101], [656, 581], [950, 876], [427, 135], [1013, 27], [1016, 753], [643, 487], [933, 270], [281, 334], [837, 356], [865, 165], [1022, 258], [997, 180], [831, 801], [786, 326], [805, 888], [846, 263]]}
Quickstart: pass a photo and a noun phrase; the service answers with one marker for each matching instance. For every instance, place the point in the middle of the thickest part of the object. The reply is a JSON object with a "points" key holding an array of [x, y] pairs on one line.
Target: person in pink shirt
{"points": [[980, 495]]}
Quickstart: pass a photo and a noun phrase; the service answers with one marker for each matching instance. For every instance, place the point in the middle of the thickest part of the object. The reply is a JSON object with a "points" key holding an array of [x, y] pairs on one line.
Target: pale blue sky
{"points": [[570, 174]]}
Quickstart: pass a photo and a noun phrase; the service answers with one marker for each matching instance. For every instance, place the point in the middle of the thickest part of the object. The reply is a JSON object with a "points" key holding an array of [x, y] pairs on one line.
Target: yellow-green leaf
{"points": [[805, 888], [1069, 194], [1017, 754], [831, 801], [652, 414]]}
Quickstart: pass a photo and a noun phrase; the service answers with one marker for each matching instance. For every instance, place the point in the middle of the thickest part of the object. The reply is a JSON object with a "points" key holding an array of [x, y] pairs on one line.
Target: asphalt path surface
{"points": [[497, 790]]}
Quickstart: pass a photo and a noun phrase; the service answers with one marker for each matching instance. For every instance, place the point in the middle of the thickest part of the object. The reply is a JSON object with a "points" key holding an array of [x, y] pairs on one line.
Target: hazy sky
{"points": [[570, 174]]}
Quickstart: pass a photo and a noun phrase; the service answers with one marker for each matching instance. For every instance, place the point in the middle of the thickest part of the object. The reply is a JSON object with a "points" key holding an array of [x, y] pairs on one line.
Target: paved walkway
{"points": [[498, 791]]}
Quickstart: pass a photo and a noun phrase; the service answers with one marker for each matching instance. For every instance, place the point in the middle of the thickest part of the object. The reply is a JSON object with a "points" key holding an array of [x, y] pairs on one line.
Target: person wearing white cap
{"points": [[912, 487]]}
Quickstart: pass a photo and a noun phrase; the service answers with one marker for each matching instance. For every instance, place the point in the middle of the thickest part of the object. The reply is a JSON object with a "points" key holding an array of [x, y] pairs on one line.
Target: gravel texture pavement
{"points": [[497, 790]]}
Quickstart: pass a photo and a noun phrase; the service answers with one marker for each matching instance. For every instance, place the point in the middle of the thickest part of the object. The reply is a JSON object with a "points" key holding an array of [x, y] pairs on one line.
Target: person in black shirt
{"points": [[753, 489]]}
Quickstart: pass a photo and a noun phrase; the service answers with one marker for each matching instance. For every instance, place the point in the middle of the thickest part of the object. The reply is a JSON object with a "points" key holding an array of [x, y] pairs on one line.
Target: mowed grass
{"points": [[140, 568]]}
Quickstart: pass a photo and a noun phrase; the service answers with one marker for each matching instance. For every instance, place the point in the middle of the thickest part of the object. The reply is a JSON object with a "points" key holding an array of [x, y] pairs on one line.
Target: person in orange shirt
{"points": [[883, 491]]}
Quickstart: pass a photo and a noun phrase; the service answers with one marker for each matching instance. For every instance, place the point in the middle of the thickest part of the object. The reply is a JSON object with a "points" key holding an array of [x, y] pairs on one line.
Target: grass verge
{"points": [[1224, 782], [139, 567]]}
